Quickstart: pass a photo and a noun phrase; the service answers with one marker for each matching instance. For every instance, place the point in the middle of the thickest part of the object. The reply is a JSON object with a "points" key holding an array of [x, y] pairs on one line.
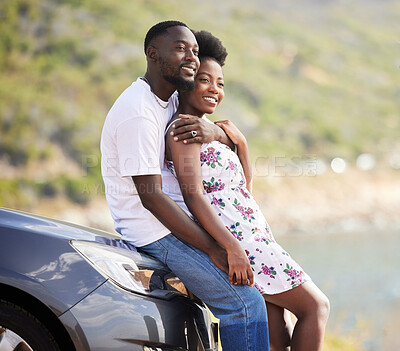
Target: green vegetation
{"points": [[307, 78], [302, 78]]}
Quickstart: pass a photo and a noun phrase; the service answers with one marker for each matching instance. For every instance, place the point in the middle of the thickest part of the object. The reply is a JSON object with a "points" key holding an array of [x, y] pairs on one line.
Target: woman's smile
{"points": [[211, 100], [208, 91]]}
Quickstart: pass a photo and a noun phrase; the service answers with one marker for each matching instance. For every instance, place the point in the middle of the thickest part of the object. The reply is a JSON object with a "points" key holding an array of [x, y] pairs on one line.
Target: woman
{"points": [[216, 188]]}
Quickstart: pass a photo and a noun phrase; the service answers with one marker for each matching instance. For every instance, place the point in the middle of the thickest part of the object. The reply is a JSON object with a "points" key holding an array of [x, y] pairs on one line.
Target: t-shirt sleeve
{"points": [[138, 149]]}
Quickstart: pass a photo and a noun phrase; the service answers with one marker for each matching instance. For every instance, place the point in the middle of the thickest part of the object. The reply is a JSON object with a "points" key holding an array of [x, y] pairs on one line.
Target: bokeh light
{"points": [[338, 165]]}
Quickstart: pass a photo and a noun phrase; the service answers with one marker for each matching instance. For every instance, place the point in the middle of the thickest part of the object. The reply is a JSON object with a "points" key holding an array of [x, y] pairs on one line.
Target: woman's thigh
{"points": [[300, 300]]}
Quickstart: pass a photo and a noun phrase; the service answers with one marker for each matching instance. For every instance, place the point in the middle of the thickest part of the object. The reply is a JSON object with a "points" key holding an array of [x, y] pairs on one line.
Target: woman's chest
{"points": [[220, 163]]}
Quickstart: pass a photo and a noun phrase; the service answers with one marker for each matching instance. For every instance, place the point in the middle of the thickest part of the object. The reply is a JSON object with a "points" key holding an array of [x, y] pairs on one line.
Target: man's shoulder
{"points": [[133, 102], [135, 95]]}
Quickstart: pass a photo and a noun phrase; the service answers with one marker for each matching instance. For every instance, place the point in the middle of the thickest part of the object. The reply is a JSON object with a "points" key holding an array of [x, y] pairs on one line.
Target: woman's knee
{"points": [[317, 308], [323, 307], [305, 301]]}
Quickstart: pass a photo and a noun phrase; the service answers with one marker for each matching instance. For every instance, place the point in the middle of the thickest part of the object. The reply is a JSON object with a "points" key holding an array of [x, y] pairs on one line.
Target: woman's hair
{"points": [[210, 47]]}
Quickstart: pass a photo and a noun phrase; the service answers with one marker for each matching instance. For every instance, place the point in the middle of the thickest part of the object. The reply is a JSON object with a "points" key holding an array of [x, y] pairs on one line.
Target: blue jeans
{"points": [[241, 309]]}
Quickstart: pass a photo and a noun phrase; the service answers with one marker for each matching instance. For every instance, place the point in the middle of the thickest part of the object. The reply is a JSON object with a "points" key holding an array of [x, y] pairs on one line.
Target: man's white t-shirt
{"points": [[132, 143]]}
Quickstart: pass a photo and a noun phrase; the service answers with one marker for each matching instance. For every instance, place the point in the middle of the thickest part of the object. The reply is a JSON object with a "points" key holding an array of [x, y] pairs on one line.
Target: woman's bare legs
{"points": [[311, 308], [280, 328]]}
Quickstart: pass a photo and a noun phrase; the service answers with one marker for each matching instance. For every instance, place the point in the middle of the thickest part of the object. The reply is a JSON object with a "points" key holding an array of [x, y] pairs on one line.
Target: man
{"points": [[132, 147]]}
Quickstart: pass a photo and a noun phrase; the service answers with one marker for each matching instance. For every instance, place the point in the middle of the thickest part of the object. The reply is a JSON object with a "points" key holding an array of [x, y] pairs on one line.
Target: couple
{"points": [[227, 255]]}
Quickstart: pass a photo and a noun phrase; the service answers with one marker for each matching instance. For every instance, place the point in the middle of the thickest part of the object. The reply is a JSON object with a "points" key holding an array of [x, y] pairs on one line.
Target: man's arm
{"points": [[149, 188], [206, 132]]}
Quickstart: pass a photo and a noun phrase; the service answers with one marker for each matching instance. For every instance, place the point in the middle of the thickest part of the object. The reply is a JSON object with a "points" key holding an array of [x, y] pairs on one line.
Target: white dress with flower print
{"points": [[225, 186]]}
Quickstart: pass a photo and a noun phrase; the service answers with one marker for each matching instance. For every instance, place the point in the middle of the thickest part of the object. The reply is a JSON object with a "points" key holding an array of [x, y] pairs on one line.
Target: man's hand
{"points": [[205, 131], [219, 257]]}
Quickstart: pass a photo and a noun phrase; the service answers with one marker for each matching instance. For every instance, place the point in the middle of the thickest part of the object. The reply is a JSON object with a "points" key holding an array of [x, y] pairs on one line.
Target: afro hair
{"points": [[210, 47]]}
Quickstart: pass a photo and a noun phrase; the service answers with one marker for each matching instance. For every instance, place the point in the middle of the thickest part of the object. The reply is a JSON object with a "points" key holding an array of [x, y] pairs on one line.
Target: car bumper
{"points": [[111, 318]]}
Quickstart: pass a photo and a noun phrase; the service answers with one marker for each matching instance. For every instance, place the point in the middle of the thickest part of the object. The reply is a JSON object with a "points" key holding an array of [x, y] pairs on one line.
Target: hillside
{"points": [[306, 81], [303, 79]]}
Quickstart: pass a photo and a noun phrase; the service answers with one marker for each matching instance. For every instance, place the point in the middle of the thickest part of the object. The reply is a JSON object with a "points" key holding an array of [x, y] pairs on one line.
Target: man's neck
{"points": [[159, 87]]}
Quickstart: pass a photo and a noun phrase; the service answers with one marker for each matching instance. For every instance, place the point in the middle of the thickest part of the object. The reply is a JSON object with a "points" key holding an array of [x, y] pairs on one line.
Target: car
{"points": [[69, 287]]}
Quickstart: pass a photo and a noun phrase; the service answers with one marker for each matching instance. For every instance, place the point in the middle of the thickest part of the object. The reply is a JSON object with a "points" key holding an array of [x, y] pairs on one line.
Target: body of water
{"points": [[359, 272]]}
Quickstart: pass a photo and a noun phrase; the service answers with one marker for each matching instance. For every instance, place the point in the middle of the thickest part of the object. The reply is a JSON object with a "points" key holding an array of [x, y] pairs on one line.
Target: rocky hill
{"points": [[315, 79]]}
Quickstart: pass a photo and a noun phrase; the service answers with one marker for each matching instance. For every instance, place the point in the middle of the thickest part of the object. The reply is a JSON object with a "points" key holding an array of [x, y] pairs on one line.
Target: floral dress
{"points": [[224, 184]]}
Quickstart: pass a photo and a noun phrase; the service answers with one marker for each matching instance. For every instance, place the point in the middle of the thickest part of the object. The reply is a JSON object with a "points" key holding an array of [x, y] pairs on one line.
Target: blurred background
{"points": [[314, 85]]}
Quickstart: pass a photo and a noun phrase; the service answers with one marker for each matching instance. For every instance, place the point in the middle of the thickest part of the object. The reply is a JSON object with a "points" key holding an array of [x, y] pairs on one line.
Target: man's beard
{"points": [[173, 76]]}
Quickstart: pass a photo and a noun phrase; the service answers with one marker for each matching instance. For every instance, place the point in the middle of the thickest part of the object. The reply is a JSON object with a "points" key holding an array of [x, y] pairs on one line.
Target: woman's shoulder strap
{"points": [[171, 123]]}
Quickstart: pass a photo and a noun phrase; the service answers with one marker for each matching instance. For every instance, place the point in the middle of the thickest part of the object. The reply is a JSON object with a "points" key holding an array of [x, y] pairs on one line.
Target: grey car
{"points": [[67, 287]]}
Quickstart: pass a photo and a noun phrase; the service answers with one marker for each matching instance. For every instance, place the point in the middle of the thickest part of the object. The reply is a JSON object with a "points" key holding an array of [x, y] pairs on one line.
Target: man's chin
{"points": [[188, 86], [181, 83]]}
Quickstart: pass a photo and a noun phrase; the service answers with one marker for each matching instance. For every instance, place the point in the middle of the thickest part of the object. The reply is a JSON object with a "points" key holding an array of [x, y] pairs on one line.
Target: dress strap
{"points": [[170, 124]]}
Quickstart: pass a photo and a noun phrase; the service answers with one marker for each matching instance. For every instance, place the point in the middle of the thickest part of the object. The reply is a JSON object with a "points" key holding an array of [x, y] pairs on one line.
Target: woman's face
{"points": [[209, 88]]}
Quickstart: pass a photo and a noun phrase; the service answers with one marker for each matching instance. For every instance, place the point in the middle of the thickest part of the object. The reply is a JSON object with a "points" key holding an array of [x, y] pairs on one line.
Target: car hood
{"points": [[52, 227]]}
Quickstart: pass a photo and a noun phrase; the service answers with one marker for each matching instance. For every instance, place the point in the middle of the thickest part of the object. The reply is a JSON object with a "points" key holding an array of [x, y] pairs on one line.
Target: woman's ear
{"points": [[152, 53]]}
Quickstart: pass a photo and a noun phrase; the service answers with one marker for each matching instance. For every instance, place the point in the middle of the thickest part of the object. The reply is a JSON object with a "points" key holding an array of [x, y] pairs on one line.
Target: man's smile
{"points": [[189, 69]]}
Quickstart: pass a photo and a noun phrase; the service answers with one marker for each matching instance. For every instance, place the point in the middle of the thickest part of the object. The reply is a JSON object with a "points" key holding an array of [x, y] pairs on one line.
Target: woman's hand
{"points": [[232, 132], [239, 267]]}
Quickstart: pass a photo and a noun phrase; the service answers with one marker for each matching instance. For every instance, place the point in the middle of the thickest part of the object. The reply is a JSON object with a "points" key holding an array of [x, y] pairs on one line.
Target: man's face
{"points": [[177, 56]]}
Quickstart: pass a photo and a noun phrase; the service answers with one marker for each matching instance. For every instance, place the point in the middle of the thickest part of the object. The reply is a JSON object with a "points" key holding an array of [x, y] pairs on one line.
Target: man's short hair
{"points": [[158, 30], [210, 47]]}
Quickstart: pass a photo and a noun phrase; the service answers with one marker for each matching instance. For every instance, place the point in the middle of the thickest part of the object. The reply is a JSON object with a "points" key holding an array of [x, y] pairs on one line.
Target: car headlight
{"points": [[131, 270]]}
